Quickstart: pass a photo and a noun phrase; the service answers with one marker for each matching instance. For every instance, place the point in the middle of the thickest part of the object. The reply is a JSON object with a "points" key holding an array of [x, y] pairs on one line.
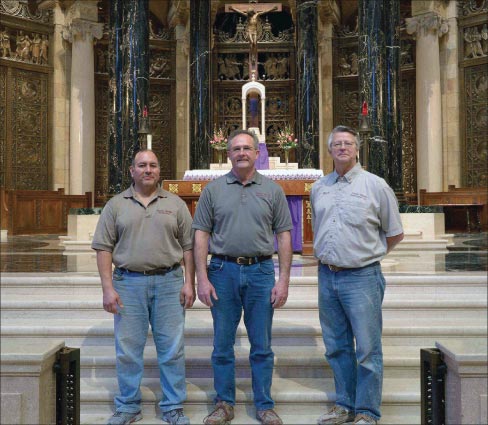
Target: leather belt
{"points": [[243, 261], [154, 272], [336, 269]]}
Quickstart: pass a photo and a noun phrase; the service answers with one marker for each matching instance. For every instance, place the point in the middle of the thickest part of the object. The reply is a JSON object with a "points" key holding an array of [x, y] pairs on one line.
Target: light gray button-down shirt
{"points": [[351, 218]]}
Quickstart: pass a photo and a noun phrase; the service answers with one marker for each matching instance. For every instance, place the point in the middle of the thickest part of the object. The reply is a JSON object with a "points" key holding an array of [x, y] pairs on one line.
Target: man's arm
{"points": [[187, 294], [111, 300], [279, 294], [205, 289], [392, 241]]}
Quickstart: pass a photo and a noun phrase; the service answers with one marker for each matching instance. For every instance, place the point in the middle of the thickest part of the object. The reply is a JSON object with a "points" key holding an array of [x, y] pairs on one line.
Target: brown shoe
{"points": [[222, 414], [268, 417]]}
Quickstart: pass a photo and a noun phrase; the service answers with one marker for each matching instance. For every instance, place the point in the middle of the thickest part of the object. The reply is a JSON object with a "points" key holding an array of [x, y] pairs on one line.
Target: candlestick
{"points": [[149, 141]]}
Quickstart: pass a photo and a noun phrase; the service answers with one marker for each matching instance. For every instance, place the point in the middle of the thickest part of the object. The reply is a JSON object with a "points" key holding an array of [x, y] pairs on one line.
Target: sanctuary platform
{"points": [[434, 297]]}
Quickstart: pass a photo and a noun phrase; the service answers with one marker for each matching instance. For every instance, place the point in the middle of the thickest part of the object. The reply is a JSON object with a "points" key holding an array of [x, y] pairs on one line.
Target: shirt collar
{"points": [[130, 192], [350, 175], [256, 178]]}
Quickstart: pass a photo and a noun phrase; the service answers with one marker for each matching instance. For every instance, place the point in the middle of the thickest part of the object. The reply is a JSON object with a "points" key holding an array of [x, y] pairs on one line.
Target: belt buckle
{"points": [[242, 261], [333, 268]]}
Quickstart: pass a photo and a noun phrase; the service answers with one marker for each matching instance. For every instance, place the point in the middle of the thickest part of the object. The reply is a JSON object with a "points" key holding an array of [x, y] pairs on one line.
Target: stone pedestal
{"points": [[28, 382], [82, 223], [466, 381]]}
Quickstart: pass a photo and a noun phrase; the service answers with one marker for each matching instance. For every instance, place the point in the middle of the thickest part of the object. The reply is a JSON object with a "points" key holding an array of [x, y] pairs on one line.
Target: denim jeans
{"points": [[155, 301], [241, 288], [350, 309]]}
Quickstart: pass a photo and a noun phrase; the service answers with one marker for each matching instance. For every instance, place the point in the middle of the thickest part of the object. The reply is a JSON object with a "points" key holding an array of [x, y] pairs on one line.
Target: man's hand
{"points": [[206, 292], [111, 301], [187, 295], [279, 294]]}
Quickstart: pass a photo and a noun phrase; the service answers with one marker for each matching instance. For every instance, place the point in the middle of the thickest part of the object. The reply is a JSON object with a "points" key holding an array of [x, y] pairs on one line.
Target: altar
{"points": [[296, 184]]}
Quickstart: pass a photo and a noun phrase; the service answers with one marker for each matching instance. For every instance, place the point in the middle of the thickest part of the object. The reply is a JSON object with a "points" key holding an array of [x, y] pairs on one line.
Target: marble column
{"points": [[428, 27], [392, 115], [80, 32], [128, 86], [200, 105], [307, 99], [61, 59], [326, 87], [371, 43]]}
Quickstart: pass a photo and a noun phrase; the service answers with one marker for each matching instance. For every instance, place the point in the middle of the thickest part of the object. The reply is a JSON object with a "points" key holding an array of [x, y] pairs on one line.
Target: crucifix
{"points": [[252, 11]]}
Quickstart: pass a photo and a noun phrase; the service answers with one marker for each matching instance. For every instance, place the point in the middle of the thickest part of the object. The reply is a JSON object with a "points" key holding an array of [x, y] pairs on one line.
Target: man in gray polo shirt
{"points": [[146, 232], [356, 223], [236, 219]]}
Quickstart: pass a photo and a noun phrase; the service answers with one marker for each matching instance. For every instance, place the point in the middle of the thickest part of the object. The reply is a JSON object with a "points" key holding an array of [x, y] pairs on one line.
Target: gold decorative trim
{"points": [[196, 188], [173, 187], [308, 211], [307, 187]]}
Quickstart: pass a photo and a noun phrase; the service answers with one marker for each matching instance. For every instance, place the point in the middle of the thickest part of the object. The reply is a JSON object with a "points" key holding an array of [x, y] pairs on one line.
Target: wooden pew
{"points": [[464, 207], [29, 212]]}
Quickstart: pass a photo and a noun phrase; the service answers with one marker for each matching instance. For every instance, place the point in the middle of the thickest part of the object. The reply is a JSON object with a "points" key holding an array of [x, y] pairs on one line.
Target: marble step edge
{"points": [[466, 328], [64, 279], [431, 302], [284, 390], [246, 416]]}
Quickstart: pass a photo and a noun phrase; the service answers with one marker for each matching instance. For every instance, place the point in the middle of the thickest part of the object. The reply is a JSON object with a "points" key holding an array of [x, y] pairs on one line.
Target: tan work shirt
{"points": [[144, 238]]}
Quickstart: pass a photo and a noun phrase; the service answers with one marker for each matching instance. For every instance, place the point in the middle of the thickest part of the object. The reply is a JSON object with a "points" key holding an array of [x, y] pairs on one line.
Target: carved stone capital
{"points": [[426, 23], [178, 13], [83, 29], [329, 11]]}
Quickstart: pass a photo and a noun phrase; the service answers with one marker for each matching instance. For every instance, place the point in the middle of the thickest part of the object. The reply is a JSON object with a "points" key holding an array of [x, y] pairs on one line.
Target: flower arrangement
{"points": [[285, 139], [218, 141]]}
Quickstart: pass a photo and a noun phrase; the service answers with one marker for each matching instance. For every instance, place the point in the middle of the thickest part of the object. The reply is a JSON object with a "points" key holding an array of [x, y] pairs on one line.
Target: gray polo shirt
{"points": [[351, 218], [241, 219], [141, 238]]}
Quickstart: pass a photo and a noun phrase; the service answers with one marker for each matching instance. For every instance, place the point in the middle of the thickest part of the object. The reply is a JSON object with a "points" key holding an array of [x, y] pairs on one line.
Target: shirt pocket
{"points": [[356, 213]]}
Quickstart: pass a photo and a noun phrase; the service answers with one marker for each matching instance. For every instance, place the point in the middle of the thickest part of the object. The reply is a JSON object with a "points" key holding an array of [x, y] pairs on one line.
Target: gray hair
{"points": [[344, 129], [242, 131]]}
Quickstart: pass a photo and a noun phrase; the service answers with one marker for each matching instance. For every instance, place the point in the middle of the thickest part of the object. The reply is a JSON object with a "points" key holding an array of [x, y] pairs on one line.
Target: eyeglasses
{"points": [[346, 144], [246, 149]]}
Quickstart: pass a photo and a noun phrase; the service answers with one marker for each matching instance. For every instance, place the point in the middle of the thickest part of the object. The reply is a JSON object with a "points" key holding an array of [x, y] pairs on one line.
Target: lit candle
{"points": [[149, 141], [365, 108]]}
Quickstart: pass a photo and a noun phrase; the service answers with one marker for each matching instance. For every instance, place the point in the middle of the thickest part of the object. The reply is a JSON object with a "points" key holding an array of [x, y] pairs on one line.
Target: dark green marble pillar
{"points": [[200, 129], [128, 85], [307, 99], [392, 114], [371, 44], [379, 73]]}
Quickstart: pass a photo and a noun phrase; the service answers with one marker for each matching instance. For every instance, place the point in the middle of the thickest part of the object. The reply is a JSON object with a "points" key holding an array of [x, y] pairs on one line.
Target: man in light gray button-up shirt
{"points": [[356, 222]]}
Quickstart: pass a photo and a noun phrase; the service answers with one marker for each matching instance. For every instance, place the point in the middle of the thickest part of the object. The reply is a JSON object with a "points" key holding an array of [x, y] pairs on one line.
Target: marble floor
{"points": [[43, 254]]}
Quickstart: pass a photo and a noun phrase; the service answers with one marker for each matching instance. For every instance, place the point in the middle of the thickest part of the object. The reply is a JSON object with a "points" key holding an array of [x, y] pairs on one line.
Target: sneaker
{"points": [[268, 417], [176, 416], [222, 414], [362, 419], [123, 418], [335, 416]]}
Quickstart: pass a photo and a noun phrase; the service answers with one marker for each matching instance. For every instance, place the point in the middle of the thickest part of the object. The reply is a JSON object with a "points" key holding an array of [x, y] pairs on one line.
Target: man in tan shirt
{"points": [[145, 232]]}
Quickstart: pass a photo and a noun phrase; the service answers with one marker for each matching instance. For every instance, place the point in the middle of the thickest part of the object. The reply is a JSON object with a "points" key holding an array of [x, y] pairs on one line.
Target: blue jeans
{"points": [[350, 308], [240, 288], [153, 300]]}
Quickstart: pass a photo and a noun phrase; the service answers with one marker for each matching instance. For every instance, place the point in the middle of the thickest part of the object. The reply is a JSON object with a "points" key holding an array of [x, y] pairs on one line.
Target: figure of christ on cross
{"points": [[252, 11]]}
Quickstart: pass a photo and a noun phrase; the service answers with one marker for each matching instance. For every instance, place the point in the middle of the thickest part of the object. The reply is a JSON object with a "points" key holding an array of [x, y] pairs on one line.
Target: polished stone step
{"points": [[301, 361], [298, 400]]}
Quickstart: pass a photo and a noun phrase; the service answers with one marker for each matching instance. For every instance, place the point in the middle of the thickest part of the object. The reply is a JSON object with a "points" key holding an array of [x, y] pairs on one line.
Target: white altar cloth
{"points": [[297, 174]]}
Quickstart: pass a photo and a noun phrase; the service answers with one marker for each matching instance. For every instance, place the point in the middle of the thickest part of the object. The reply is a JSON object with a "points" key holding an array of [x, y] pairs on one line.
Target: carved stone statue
{"points": [[344, 67], [5, 43], [44, 49], [36, 48]]}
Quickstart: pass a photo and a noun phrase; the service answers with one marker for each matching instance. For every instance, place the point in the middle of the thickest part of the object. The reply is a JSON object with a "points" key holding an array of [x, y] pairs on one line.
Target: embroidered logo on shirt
{"points": [[165, 212], [359, 195], [263, 195]]}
